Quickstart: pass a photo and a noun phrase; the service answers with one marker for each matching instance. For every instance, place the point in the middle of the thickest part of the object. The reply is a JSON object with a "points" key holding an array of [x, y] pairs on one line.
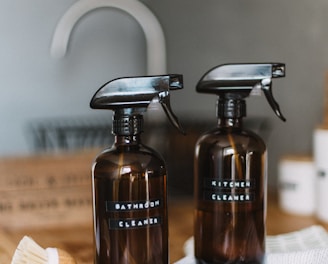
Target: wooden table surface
{"points": [[79, 243]]}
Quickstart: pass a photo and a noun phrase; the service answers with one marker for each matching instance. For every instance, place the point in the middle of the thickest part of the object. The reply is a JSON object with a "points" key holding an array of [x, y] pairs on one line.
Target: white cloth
{"points": [[307, 246]]}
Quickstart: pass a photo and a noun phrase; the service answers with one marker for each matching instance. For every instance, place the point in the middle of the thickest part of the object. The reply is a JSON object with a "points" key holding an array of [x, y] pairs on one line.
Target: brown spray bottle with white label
{"points": [[230, 169], [129, 179]]}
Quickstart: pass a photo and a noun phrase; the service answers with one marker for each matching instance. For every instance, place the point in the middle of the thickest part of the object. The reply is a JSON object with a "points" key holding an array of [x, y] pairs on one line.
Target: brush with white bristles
{"points": [[29, 252]]}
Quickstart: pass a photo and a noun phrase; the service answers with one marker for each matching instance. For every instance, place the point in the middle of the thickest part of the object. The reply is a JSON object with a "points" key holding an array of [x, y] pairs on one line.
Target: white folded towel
{"points": [[306, 246]]}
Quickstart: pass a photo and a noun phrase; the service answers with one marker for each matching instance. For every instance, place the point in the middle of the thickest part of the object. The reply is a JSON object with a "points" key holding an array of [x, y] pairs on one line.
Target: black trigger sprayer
{"points": [[234, 82], [130, 96]]}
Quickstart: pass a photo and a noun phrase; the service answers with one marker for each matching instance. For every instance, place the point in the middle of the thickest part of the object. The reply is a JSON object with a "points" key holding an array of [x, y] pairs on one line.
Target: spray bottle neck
{"points": [[231, 108], [127, 125], [230, 112], [230, 122]]}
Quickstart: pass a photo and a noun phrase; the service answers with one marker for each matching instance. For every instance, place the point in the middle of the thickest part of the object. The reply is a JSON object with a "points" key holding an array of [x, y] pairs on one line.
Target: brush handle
{"points": [[59, 256]]}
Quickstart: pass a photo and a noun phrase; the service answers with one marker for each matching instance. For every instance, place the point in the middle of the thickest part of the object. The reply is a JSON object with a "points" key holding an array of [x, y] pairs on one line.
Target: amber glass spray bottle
{"points": [[129, 179], [230, 169]]}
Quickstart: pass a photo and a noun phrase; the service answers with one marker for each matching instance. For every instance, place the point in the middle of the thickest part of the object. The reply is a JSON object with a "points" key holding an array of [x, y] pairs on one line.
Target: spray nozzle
{"points": [[236, 81], [131, 95]]}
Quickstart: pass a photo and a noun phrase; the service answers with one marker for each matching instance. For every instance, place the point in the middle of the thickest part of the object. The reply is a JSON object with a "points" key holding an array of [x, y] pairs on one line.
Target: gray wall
{"points": [[199, 35], [202, 34]]}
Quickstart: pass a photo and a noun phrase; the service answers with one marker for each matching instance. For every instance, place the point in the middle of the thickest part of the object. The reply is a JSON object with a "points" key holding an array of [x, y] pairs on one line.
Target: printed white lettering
{"points": [[230, 197], [125, 206], [134, 223], [230, 184]]}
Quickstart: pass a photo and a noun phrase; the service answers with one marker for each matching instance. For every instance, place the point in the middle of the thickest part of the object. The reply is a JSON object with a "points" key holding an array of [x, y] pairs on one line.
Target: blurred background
{"points": [[45, 100]]}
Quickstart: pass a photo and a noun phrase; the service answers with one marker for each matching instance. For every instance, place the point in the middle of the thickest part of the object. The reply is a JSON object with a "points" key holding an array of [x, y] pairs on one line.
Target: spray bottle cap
{"points": [[237, 81], [130, 96]]}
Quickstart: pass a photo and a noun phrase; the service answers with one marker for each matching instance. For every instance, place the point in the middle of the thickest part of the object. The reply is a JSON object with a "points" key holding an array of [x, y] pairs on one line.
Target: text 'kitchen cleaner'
{"points": [[231, 169]]}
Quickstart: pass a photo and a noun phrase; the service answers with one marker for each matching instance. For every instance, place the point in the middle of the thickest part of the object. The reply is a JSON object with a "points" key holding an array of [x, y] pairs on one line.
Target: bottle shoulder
{"points": [[228, 137], [138, 161], [129, 152]]}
